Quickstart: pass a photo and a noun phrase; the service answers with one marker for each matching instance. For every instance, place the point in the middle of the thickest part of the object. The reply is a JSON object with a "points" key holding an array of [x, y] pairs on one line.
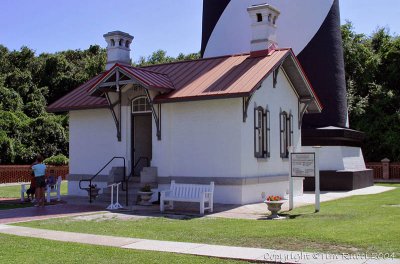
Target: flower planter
{"points": [[93, 192], [145, 197], [274, 207]]}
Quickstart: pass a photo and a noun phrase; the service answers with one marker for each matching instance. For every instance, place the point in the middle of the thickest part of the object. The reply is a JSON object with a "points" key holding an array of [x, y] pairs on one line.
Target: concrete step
{"points": [[132, 192], [116, 174], [148, 175]]}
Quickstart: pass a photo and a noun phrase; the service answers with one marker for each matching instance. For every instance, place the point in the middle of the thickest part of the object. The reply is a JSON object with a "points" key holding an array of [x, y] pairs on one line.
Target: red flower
{"points": [[274, 198]]}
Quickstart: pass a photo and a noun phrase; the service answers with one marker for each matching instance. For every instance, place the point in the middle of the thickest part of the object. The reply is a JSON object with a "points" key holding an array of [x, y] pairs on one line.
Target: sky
{"points": [[172, 25]]}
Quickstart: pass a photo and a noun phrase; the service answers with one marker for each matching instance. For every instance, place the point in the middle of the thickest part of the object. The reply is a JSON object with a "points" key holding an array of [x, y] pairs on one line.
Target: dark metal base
{"points": [[332, 136], [341, 180]]}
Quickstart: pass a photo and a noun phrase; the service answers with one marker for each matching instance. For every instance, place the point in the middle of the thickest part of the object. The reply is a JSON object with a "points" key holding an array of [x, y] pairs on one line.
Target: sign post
{"points": [[304, 164], [317, 188]]}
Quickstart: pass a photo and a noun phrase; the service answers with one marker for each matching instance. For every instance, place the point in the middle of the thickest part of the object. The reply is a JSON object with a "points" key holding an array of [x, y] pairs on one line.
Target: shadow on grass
{"points": [[286, 216], [14, 204]]}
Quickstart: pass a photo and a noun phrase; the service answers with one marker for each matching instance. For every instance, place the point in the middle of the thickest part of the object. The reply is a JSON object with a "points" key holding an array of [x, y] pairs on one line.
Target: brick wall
{"points": [[22, 173], [385, 170]]}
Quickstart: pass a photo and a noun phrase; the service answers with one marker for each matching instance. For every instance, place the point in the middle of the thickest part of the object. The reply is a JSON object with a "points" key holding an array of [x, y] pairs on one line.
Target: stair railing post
{"points": [[117, 205], [126, 192], [111, 206], [90, 191]]}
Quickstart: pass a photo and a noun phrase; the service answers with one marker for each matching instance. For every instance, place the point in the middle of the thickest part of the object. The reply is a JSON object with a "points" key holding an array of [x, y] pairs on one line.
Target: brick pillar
{"points": [[385, 168]]}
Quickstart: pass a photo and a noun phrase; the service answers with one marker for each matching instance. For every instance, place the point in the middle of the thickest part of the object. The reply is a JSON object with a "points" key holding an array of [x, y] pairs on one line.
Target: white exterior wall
{"points": [[280, 98], [284, 98], [93, 140], [199, 139], [209, 139]]}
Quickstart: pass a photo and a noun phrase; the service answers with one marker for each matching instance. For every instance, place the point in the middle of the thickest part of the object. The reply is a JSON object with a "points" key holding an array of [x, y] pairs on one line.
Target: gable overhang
{"points": [[120, 75], [301, 84]]}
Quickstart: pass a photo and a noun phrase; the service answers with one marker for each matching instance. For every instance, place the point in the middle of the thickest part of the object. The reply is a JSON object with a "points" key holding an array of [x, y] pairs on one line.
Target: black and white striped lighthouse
{"points": [[312, 29]]}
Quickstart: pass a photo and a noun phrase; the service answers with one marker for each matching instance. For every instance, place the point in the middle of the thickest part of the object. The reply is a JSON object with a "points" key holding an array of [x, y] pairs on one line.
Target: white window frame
{"points": [[147, 106]]}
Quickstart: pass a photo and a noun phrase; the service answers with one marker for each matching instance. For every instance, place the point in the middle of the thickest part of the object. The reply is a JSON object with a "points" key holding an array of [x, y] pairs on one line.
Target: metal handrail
{"points": [[126, 187], [94, 176]]}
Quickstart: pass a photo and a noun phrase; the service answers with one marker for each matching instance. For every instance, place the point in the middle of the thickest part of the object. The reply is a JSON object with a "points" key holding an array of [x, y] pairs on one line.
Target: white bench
{"points": [[180, 192], [56, 189]]}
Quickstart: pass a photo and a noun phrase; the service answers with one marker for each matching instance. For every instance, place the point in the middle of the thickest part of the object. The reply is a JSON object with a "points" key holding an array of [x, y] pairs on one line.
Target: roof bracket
{"points": [[156, 114], [246, 103], [303, 105], [115, 109]]}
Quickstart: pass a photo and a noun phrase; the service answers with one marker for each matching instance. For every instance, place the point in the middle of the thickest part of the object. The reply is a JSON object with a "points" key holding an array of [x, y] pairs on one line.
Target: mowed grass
{"points": [[14, 191], [34, 250], [368, 223]]}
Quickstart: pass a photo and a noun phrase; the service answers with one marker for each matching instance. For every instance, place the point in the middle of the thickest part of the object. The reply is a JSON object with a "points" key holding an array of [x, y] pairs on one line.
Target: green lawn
{"points": [[15, 190], [33, 250], [356, 224]]}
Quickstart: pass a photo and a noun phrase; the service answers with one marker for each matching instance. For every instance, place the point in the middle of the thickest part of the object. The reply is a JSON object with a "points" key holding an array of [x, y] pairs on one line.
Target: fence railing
{"points": [[22, 173], [385, 170]]}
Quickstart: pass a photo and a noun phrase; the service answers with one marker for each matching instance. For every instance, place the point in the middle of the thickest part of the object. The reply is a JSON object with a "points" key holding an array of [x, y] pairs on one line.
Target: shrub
{"points": [[57, 160]]}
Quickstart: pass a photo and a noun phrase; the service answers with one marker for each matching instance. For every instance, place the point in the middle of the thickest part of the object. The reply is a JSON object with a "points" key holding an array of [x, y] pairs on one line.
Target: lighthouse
{"points": [[312, 29]]}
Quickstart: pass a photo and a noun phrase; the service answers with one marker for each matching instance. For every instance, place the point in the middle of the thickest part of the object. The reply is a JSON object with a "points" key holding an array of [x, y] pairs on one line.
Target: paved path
{"points": [[239, 253], [50, 211], [259, 210]]}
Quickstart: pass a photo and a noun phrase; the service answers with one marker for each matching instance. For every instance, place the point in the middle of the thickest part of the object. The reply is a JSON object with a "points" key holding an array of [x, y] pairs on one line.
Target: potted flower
{"points": [[145, 195], [93, 191], [274, 203]]}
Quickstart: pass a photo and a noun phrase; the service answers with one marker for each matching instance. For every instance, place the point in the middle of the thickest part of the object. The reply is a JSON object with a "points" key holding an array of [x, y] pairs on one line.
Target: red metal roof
{"points": [[150, 78], [227, 76], [79, 98], [218, 77]]}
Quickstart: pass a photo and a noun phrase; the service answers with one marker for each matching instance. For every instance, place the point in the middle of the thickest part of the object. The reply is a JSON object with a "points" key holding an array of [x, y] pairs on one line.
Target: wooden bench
{"points": [[180, 192]]}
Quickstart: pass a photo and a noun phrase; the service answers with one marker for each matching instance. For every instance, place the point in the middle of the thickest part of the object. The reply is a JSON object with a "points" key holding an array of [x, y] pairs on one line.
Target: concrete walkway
{"points": [[259, 210], [227, 252], [249, 211]]}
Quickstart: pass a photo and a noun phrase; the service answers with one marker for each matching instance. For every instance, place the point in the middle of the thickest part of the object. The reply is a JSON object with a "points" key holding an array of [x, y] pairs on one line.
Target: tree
{"points": [[160, 56], [372, 67]]}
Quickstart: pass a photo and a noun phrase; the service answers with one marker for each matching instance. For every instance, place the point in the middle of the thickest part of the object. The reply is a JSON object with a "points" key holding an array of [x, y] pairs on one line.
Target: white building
{"points": [[228, 119]]}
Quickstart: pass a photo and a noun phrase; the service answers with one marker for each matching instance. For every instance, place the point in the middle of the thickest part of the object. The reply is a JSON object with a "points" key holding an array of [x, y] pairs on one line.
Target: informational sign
{"points": [[303, 164]]}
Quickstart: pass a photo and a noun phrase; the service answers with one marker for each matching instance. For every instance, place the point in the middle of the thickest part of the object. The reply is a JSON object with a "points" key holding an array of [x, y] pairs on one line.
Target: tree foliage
{"points": [[372, 66], [28, 83], [160, 56]]}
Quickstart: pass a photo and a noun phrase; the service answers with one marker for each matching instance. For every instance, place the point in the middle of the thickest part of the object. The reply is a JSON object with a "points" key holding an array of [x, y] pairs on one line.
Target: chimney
{"points": [[263, 26], [118, 48]]}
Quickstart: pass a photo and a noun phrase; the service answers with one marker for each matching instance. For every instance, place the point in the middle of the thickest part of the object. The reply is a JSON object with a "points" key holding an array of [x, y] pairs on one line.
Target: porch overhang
{"points": [[113, 81]]}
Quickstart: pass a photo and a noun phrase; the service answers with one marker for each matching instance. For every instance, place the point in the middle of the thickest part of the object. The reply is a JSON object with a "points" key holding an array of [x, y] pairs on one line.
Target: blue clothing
{"points": [[39, 169]]}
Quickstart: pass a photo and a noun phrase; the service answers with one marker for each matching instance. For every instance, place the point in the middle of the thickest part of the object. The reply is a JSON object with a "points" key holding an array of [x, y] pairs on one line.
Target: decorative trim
{"points": [[246, 103], [117, 119], [275, 76], [302, 110], [156, 115]]}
